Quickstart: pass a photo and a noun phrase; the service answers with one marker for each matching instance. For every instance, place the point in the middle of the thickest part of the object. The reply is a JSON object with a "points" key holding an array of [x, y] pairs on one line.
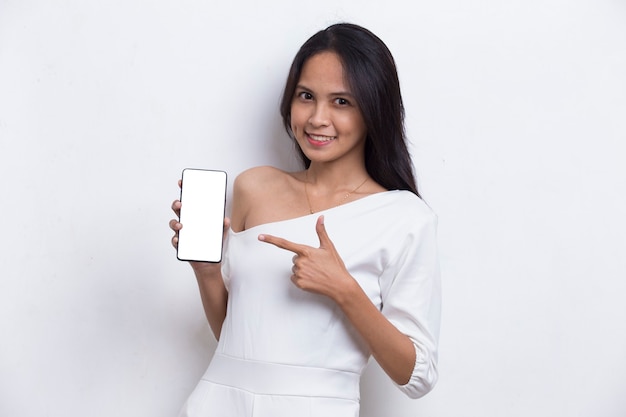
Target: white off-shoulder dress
{"points": [[285, 352]]}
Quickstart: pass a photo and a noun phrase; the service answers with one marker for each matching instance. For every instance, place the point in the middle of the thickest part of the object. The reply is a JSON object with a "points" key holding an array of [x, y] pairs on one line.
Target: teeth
{"points": [[322, 138]]}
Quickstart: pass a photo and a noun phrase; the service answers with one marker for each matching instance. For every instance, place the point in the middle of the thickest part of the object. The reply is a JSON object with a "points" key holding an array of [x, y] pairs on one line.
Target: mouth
{"points": [[319, 140]]}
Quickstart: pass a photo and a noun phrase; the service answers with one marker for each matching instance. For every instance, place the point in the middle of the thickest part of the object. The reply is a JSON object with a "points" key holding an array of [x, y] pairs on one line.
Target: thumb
{"points": [[320, 228]]}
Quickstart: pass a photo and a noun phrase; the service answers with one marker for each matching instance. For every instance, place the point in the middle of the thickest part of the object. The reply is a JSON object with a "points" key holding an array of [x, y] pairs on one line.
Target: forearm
{"points": [[393, 350], [214, 298]]}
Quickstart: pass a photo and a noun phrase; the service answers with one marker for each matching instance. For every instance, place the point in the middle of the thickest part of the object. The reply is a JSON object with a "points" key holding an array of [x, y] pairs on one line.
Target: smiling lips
{"points": [[319, 140]]}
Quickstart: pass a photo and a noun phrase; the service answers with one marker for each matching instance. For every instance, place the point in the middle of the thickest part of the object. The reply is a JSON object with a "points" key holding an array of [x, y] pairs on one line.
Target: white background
{"points": [[516, 113]]}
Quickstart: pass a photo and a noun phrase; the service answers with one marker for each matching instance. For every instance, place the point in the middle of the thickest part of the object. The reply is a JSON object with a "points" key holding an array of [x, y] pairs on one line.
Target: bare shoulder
{"points": [[255, 188], [261, 173], [261, 179]]}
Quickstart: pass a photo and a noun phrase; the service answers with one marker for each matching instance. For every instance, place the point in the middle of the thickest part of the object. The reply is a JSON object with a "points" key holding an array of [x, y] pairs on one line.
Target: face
{"points": [[325, 118]]}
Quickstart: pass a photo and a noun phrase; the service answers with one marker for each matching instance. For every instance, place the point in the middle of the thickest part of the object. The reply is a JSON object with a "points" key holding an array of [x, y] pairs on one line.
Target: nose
{"points": [[320, 115]]}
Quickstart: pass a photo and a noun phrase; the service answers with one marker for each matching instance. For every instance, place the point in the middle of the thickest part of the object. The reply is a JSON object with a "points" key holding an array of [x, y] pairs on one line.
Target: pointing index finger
{"points": [[296, 248]]}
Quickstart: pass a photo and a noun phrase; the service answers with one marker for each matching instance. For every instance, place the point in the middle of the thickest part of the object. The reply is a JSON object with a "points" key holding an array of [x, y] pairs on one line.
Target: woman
{"points": [[324, 266]]}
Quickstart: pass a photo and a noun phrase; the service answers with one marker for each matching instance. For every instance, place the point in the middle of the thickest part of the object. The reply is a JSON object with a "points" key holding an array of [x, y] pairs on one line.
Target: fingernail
{"points": [[261, 237], [322, 219]]}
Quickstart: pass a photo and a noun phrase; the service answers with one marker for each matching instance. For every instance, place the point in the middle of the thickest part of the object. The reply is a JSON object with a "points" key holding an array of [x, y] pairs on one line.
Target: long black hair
{"points": [[371, 73]]}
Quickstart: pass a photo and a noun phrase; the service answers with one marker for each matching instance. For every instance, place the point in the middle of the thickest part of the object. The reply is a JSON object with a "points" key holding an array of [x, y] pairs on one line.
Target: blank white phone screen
{"points": [[203, 200]]}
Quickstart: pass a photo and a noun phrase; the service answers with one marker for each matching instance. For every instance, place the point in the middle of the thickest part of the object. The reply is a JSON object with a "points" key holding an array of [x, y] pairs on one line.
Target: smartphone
{"points": [[203, 204]]}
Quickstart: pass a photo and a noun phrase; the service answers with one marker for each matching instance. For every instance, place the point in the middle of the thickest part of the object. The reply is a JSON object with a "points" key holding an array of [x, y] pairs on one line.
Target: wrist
{"points": [[348, 292]]}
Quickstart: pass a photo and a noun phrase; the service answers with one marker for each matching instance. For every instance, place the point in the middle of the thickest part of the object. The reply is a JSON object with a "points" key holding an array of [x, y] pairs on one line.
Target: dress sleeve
{"points": [[411, 299]]}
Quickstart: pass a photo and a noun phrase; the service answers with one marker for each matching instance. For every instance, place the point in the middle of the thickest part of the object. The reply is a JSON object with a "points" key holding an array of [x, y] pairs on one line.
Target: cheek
{"points": [[294, 124], [298, 118], [353, 124]]}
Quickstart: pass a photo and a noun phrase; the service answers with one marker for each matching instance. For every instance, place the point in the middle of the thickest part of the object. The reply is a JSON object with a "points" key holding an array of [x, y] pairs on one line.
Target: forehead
{"points": [[323, 69]]}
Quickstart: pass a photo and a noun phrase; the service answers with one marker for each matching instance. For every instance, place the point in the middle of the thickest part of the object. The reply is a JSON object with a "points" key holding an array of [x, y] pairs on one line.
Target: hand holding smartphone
{"points": [[203, 204]]}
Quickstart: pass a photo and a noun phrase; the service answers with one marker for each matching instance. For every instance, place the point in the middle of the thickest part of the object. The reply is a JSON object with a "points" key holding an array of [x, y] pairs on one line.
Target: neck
{"points": [[330, 195], [333, 178]]}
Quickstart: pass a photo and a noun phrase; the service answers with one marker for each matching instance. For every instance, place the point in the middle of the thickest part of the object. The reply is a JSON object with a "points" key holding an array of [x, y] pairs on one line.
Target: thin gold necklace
{"points": [[306, 193]]}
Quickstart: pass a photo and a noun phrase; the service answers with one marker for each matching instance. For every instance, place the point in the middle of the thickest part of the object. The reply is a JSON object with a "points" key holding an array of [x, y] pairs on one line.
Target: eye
{"points": [[305, 95], [342, 101]]}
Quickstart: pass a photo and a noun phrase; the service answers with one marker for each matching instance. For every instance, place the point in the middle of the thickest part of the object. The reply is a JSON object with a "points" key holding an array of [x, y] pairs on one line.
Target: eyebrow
{"points": [[335, 94]]}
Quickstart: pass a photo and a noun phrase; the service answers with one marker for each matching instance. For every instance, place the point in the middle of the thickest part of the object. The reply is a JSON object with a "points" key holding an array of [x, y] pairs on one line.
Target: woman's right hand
{"points": [[209, 276]]}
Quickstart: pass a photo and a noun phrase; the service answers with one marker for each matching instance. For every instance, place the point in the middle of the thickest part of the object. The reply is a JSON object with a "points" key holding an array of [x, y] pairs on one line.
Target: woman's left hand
{"points": [[319, 270]]}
